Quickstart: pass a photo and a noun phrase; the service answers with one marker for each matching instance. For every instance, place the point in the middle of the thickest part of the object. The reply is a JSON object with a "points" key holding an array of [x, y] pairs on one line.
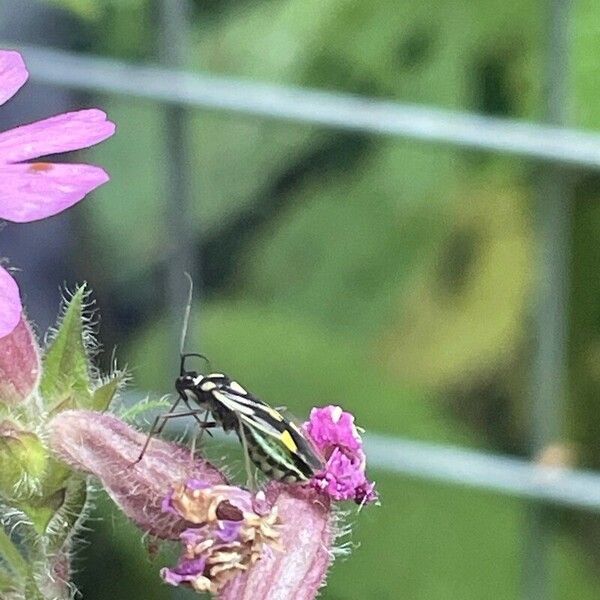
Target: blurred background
{"points": [[420, 244]]}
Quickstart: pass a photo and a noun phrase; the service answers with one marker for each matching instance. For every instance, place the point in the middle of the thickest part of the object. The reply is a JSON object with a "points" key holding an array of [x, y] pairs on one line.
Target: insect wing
{"points": [[256, 415]]}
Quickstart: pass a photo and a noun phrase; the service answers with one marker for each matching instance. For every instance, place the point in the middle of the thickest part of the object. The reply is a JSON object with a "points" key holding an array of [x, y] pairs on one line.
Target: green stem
{"points": [[14, 559]]}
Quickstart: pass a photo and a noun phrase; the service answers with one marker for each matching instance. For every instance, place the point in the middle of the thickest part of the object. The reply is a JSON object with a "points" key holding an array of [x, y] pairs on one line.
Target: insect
{"points": [[275, 445]]}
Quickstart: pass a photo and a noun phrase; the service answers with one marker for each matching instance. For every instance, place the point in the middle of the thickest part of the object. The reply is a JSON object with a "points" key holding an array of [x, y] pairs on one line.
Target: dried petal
{"points": [[217, 549], [103, 445]]}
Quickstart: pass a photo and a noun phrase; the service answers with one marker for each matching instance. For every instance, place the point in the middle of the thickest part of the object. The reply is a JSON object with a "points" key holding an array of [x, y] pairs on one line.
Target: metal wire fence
{"points": [[552, 143]]}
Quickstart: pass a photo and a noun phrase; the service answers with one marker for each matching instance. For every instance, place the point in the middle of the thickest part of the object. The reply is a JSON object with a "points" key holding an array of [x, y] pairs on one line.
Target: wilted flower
{"points": [[307, 534], [239, 543], [30, 191], [276, 543], [230, 534], [334, 433]]}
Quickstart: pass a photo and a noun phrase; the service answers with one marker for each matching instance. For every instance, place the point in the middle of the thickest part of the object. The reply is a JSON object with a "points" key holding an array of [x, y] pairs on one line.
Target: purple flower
{"points": [[30, 191], [334, 433]]}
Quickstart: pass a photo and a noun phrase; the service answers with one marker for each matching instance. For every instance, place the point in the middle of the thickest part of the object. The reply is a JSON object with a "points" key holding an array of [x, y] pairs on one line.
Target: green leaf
{"points": [[103, 395], [66, 380]]}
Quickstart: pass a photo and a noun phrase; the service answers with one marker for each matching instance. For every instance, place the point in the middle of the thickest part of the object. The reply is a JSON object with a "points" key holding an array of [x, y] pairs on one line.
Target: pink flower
{"points": [[276, 543], [334, 433], [30, 191]]}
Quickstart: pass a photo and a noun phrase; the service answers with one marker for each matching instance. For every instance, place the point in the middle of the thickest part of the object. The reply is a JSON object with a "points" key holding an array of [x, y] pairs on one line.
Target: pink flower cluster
{"points": [[344, 478], [30, 191]]}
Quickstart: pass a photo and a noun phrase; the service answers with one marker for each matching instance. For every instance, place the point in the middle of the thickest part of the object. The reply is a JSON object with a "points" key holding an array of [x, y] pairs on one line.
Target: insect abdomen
{"points": [[275, 465]]}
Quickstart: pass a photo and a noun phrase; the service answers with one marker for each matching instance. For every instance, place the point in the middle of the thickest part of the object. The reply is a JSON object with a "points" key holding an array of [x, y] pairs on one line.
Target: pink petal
{"points": [[63, 133], [13, 74], [10, 303], [29, 192], [19, 364], [307, 537]]}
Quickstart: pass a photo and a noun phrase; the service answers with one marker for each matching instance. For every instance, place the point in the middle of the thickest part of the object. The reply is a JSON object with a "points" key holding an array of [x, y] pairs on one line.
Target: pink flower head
{"points": [[30, 191], [334, 433]]}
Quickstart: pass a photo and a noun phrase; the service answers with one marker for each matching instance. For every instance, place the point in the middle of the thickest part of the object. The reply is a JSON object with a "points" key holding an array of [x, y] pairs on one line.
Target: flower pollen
{"points": [[40, 167]]}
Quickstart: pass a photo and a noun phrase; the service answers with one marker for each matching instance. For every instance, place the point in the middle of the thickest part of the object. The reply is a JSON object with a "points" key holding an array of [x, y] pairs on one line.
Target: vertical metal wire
{"points": [[172, 50], [549, 376]]}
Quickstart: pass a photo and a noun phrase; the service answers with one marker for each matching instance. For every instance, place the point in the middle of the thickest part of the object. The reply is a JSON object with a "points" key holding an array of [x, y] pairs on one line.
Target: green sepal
{"points": [[71, 509], [103, 395], [66, 382], [23, 462]]}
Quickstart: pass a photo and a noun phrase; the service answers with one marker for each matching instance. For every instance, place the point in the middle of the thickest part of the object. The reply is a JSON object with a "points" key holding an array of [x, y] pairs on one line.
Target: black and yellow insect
{"points": [[273, 443]]}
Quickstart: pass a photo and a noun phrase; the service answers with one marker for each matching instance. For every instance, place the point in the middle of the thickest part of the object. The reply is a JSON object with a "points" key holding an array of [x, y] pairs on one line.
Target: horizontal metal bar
{"points": [[341, 111], [476, 469]]}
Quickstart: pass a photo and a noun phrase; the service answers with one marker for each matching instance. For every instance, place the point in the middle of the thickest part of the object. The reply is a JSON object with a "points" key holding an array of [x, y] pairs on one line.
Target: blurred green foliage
{"points": [[389, 276]]}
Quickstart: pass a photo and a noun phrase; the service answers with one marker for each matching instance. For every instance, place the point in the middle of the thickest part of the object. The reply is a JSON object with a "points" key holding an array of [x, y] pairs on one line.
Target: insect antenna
{"points": [[182, 369], [161, 420], [184, 329], [186, 315]]}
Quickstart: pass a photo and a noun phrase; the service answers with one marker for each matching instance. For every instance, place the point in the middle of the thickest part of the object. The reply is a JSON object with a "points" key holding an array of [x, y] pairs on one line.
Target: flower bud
{"points": [[108, 448], [19, 364], [23, 460]]}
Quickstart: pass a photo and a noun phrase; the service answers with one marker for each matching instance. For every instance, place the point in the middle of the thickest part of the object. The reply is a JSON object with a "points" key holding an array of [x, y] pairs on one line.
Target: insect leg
{"points": [[198, 436], [251, 480], [198, 419], [154, 430], [165, 418]]}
